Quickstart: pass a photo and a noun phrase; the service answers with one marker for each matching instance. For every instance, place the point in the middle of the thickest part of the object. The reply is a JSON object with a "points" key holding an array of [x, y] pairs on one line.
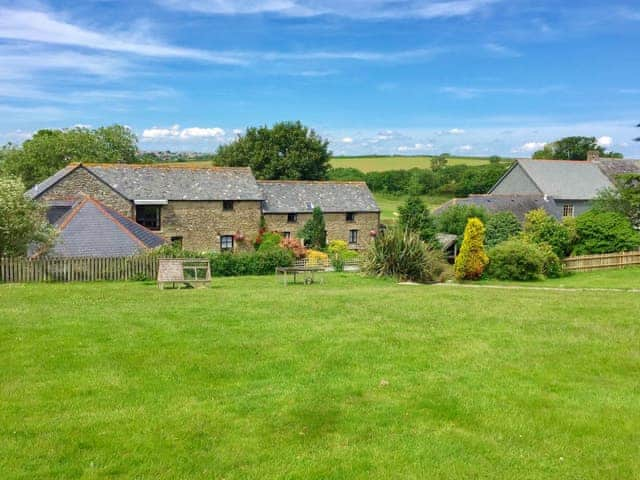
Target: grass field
{"points": [[389, 203], [376, 164], [379, 164], [356, 378]]}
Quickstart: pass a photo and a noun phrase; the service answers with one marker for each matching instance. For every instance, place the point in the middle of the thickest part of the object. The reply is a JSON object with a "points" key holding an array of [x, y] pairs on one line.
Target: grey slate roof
{"points": [[90, 229], [519, 205], [162, 182], [303, 196], [566, 179], [614, 167]]}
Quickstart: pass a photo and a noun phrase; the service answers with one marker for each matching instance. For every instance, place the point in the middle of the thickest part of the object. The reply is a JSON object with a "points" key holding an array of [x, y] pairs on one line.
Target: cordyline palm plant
{"points": [[401, 254]]}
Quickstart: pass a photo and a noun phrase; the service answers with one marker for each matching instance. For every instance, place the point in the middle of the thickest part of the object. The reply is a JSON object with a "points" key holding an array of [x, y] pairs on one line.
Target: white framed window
{"points": [[567, 210], [286, 234], [226, 243], [353, 237]]}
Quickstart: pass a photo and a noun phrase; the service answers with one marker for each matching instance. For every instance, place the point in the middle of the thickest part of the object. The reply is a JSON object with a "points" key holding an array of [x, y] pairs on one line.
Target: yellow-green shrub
{"points": [[472, 259], [317, 258]]}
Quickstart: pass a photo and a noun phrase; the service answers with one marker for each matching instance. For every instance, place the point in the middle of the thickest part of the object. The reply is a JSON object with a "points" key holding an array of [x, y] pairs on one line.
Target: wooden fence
{"points": [[20, 270], [596, 262]]}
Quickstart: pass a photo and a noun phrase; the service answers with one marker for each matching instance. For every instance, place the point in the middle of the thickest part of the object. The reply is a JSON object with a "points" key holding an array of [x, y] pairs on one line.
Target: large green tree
{"points": [[624, 199], [314, 231], [50, 150], [415, 217], [288, 151], [573, 148], [22, 220]]}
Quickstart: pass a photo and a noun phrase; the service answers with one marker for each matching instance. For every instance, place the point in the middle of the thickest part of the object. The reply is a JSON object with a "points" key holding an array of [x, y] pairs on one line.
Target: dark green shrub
{"points": [[515, 259], [604, 232], [501, 227], [401, 254], [250, 263], [552, 265], [454, 219], [415, 217], [314, 231]]}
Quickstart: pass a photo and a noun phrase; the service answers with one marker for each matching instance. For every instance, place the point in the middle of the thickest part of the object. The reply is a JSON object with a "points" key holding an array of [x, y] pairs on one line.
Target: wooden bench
{"points": [[307, 272], [184, 271]]}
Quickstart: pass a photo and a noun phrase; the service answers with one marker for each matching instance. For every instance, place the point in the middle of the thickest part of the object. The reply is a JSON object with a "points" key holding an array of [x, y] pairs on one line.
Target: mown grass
{"points": [[389, 204], [624, 278], [398, 162], [356, 378]]}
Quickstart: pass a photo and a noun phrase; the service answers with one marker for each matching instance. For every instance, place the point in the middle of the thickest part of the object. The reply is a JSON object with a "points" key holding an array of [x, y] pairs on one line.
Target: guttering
{"points": [[150, 202]]}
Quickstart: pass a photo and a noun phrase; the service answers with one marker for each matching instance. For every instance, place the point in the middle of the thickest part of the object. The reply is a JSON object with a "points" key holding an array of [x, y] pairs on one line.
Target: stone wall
{"points": [[81, 181], [201, 223], [337, 226]]}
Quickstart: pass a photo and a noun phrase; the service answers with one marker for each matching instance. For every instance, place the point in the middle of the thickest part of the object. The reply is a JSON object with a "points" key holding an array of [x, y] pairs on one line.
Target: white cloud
{"points": [[41, 27], [416, 147], [456, 131], [347, 140], [175, 132], [530, 147], [464, 148], [501, 50], [605, 141], [473, 92], [360, 9]]}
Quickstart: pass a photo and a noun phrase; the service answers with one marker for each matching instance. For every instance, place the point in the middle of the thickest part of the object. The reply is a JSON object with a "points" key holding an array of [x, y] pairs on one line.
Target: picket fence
{"points": [[85, 269], [587, 263]]}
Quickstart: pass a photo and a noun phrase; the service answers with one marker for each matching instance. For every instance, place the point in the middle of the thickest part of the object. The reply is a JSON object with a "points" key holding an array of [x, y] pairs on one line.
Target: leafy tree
{"points": [[572, 148], [605, 232], [472, 259], [22, 220], [438, 162], [314, 231], [50, 150], [415, 217], [479, 179], [540, 227], [501, 227], [455, 218], [288, 150], [624, 199], [346, 174]]}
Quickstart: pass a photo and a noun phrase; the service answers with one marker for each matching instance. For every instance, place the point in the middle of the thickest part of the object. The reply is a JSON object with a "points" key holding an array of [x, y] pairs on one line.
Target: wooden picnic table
{"points": [[307, 272]]}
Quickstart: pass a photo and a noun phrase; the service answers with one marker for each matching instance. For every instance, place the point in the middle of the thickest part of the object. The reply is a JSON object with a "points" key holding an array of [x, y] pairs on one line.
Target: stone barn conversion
{"points": [[206, 209]]}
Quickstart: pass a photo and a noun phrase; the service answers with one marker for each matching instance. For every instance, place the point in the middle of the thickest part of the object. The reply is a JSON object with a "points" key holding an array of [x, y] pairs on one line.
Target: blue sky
{"points": [[474, 77]]}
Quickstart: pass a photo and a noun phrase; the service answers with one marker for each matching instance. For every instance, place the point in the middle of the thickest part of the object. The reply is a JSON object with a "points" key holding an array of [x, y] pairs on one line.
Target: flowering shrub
{"points": [[317, 258], [294, 246]]}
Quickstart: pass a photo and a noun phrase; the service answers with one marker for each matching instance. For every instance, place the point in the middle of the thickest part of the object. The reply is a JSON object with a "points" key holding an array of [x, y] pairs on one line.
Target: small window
{"points": [[176, 242], [292, 218], [353, 237], [148, 216], [226, 243], [286, 234], [351, 217], [227, 205], [567, 210]]}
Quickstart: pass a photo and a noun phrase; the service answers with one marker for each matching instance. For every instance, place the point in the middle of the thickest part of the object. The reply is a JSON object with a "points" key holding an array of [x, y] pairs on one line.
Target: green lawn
{"points": [[625, 278], [356, 378], [398, 162], [389, 203]]}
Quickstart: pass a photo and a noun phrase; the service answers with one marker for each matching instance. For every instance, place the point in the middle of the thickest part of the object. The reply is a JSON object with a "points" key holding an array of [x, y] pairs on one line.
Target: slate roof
{"points": [[163, 182], [519, 205], [615, 166], [304, 196], [565, 179], [91, 229]]}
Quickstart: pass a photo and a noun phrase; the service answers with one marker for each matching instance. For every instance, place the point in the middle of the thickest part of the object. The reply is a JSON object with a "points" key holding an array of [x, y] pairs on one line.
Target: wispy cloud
{"points": [[500, 50], [42, 27], [177, 133], [354, 9], [472, 92]]}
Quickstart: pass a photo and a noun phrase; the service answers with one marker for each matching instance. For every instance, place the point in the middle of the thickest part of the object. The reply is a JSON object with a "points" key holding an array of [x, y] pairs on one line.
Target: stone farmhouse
{"points": [[564, 188], [202, 209]]}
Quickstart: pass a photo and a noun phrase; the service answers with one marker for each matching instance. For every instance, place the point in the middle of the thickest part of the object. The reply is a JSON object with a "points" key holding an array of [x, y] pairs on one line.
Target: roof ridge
{"points": [[321, 182], [160, 166]]}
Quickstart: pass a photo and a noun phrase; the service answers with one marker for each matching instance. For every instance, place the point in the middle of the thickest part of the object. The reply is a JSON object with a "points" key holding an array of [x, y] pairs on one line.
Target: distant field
{"points": [[397, 162], [389, 203], [375, 164]]}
